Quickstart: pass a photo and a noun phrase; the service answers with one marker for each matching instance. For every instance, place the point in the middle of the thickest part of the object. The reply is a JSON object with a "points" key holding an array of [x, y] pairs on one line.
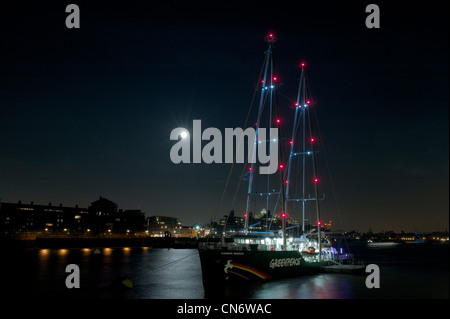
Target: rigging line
{"points": [[287, 97], [280, 160], [175, 261], [234, 159], [332, 186], [246, 162], [239, 184], [330, 176], [274, 210]]}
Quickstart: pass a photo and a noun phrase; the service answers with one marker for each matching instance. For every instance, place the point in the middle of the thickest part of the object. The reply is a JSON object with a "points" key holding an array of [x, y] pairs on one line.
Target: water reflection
{"points": [[44, 252], [63, 252], [43, 258], [176, 274], [322, 286], [156, 273]]}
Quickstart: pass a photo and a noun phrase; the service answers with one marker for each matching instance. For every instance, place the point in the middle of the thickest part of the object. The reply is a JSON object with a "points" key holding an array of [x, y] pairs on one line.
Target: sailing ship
{"points": [[261, 251]]}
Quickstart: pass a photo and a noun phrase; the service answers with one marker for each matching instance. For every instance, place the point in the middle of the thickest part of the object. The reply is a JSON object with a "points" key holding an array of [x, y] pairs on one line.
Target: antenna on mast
{"points": [[270, 38]]}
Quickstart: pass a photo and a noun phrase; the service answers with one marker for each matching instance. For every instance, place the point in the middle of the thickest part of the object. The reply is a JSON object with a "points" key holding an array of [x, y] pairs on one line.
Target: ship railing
{"points": [[243, 246]]}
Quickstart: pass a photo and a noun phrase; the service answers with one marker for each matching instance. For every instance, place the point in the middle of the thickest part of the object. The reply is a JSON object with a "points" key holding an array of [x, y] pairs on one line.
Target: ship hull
{"points": [[221, 266]]}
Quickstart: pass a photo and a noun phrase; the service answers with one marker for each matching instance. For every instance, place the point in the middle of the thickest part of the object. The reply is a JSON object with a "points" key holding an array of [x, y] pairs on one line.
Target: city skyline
{"points": [[88, 112], [104, 219]]}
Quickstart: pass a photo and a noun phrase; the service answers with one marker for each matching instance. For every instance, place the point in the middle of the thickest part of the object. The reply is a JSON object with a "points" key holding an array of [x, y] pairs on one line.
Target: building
{"points": [[101, 218], [106, 219], [190, 231], [130, 221], [17, 218], [230, 223], [164, 226]]}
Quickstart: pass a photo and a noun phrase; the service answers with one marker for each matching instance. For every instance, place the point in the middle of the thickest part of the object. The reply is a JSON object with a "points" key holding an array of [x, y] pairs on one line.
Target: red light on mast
{"points": [[312, 139], [319, 223], [303, 64], [281, 166], [245, 215], [274, 78], [316, 180], [283, 214], [278, 121], [270, 38], [308, 102]]}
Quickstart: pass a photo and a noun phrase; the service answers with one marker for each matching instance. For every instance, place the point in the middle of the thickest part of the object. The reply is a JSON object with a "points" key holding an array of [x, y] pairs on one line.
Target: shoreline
{"points": [[82, 242]]}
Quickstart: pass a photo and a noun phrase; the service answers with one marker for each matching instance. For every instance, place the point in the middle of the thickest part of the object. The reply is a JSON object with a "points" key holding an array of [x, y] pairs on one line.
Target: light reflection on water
{"points": [[156, 273], [176, 274], [321, 286]]}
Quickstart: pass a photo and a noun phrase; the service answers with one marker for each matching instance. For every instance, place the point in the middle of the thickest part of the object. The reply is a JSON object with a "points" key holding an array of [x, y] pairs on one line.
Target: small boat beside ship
{"points": [[382, 244]]}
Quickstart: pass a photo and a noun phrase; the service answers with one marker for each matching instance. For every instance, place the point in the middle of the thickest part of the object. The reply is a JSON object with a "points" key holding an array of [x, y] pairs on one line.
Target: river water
{"points": [[407, 271]]}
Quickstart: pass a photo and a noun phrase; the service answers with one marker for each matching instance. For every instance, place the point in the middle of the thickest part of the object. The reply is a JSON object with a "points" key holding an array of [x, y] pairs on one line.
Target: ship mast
{"points": [[303, 119], [258, 123], [268, 92]]}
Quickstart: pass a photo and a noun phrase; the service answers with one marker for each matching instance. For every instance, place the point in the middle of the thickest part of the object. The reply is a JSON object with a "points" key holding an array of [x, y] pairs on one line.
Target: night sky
{"points": [[88, 112]]}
